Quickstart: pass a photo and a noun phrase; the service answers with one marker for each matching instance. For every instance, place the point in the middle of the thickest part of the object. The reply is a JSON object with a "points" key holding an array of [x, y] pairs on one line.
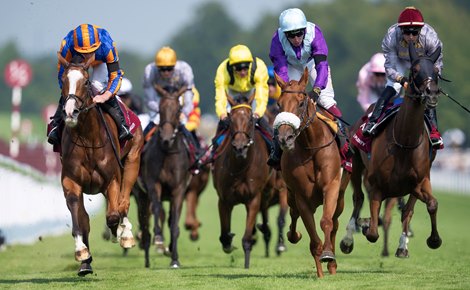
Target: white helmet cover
{"points": [[292, 19], [126, 87]]}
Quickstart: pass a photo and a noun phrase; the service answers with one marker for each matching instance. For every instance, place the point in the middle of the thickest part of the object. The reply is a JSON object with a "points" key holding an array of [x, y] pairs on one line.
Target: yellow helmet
{"points": [[239, 53], [86, 38], [165, 57]]}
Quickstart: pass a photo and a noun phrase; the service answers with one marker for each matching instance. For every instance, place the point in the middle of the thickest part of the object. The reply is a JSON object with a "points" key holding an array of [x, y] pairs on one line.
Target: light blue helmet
{"points": [[292, 19]]}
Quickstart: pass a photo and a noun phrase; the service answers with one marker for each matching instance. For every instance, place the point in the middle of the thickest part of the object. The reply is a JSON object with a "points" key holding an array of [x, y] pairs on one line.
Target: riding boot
{"points": [[118, 116], [369, 128], [434, 135], [276, 153], [53, 136]]}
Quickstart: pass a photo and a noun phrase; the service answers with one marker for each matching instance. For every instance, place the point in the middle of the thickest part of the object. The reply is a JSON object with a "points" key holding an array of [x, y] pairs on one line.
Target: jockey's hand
{"points": [[403, 80], [315, 93], [256, 116], [223, 116], [103, 97]]}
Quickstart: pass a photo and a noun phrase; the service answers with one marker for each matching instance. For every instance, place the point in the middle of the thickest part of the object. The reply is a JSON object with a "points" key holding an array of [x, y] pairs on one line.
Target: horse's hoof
{"points": [[175, 265], [402, 253], [372, 238], [85, 269], [194, 236], [281, 248], [327, 256], [346, 245], [294, 238], [434, 243], [229, 249], [82, 255], [167, 252], [127, 243]]}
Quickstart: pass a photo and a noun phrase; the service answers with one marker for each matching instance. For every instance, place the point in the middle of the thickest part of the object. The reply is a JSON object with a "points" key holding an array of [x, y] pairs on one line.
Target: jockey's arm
{"points": [[261, 88]]}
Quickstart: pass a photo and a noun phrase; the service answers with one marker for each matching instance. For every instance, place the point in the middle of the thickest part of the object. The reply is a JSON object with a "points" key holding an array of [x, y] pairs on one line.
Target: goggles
{"points": [[166, 68], [411, 30], [241, 66], [295, 33]]}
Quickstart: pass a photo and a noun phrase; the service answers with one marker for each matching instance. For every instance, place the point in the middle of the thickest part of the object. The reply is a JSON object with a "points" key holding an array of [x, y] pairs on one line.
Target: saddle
{"points": [[365, 143]]}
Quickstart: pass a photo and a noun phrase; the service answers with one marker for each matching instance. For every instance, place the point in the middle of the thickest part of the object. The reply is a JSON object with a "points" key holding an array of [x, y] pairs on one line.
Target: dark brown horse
{"points": [[311, 168], [360, 162], [165, 177], [91, 159], [240, 174], [401, 156]]}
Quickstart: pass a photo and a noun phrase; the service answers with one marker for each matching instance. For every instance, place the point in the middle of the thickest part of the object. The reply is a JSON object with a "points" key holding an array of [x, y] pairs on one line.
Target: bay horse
{"points": [[401, 158], [91, 162], [311, 168], [165, 177], [360, 161], [240, 174]]}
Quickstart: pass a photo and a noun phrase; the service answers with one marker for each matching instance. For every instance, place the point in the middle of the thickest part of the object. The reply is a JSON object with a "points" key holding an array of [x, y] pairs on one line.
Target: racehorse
{"points": [[94, 162], [165, 176], [240, 174], [311, 168], [401, 157], [360, 162]]}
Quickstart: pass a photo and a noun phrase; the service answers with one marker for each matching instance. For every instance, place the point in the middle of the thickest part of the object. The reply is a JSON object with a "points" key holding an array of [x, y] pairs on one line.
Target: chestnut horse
{"points": [[240, 174], [311, 168], [165, 177], [401, 157], [92, 160]]}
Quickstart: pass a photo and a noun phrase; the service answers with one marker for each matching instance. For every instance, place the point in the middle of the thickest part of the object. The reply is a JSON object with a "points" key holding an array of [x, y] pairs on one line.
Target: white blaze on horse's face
{"points": [[74, 76]]}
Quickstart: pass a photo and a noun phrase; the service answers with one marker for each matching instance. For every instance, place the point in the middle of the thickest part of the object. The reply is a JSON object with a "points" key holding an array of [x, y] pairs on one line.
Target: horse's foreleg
{"points": [[74, 199], [112, 213], [281, 221], [191, 223], [386, 222], [372, 233], [157, 209], [143, 213], [434, 241], [176, 205], [265, 229], [252, 209], [330, 203], [307, 211], [226, 237], [406, 215], [293, 235], [347, 243]]}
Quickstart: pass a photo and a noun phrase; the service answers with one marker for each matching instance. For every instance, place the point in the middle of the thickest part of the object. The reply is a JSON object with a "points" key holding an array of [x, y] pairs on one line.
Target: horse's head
{"points": [[170, 110], [241, 125], [76, 87], [295, 110], [423, 77]]}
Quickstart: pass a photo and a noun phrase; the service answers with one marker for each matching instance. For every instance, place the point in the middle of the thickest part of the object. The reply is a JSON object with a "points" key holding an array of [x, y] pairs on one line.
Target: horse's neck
{"points": [[409, 123], [313, 135], [90, 126]]}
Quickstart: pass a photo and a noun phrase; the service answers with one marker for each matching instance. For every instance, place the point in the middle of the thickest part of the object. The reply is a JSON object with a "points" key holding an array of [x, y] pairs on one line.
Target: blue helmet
{"points": [[271, 71]]}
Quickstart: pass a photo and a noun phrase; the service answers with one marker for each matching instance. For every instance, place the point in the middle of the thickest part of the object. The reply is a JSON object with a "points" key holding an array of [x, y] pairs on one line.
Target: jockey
{"points": [[169, 76], [240, 75], [132, 101], [298, 44], [410, 27], [371, 81], [90, 40]]}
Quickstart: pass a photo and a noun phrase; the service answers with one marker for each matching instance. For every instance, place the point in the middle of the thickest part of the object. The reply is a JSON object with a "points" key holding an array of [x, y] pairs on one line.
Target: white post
{"points": [[15, 122]]}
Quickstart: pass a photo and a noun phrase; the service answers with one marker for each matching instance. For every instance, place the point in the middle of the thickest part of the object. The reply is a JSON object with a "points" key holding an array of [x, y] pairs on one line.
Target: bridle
{"points": [[173, 122], [249, 134]]}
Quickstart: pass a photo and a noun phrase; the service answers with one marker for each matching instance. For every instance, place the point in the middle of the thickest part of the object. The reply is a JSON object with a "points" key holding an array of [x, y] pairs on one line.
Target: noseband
{"points": [[305, 117]]}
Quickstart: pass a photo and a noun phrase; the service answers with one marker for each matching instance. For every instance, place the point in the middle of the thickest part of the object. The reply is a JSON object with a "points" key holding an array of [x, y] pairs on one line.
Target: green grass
{"points": [[49, 263], [38, 133]]}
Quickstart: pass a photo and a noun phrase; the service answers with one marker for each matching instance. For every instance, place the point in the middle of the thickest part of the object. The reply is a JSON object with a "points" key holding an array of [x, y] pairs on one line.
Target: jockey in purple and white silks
{"points": [[410, 27], [298, 44]]}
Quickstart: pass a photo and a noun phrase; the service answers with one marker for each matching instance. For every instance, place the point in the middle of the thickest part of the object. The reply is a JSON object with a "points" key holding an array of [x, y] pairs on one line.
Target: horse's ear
{"points": [[230, 100], [62, 60], [412, 50], [279, 80], [304, 79], [89, 61], [435, 55]]}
